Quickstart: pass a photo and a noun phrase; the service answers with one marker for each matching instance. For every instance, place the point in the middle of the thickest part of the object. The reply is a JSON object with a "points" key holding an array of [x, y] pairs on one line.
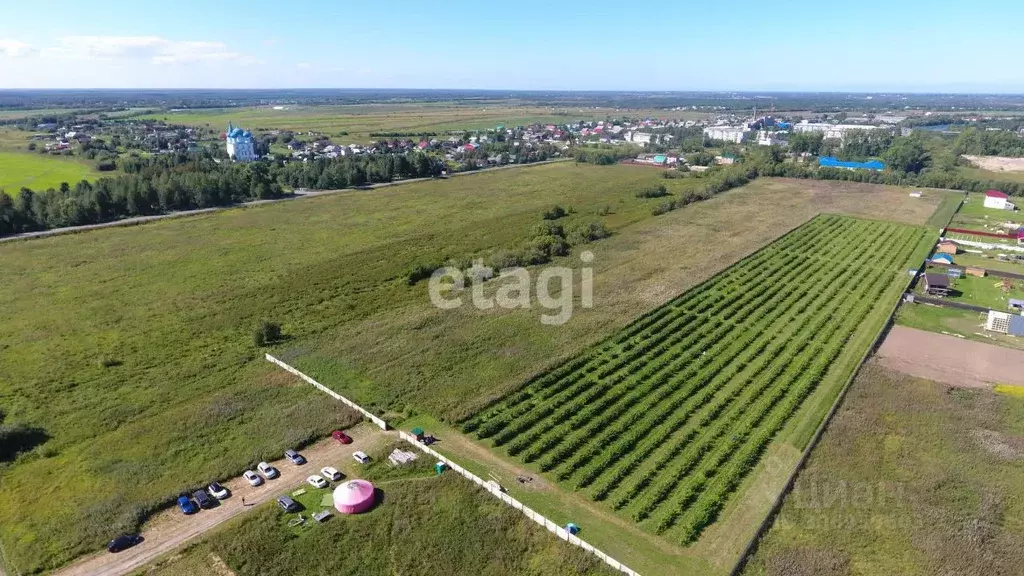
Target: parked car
{"points": [[219, 492], [340, 436], [252, 478], [331, 473], [361, 457], [187, 505], [295, 457], [267, 470], [288, 505], [203, 499], [316, 481], [123, 542]]}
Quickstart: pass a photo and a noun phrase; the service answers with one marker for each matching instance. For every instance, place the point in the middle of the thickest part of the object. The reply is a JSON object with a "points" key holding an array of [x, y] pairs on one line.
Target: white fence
{"points": [[495, 491], [331, 393]]}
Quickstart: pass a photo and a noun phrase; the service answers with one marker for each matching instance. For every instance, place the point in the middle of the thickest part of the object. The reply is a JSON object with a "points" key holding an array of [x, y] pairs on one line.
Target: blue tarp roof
{"points": [[831, 162], [945, 257], [1017, 325]]}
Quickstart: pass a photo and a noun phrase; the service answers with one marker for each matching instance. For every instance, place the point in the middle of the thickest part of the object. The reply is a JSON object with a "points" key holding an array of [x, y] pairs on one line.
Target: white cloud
{"points": [[13, 49], [152, 48], [303, 65]]}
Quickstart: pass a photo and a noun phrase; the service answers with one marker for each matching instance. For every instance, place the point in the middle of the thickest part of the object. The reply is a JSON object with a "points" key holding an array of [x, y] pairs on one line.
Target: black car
{"points": [[203, 499], [288, 505], [123, 542]]}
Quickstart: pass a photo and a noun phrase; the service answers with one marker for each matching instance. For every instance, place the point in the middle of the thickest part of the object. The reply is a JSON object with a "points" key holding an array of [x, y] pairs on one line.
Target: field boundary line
{"points": [[769, 518], [372, 417], [495, 490], [491, 488]]}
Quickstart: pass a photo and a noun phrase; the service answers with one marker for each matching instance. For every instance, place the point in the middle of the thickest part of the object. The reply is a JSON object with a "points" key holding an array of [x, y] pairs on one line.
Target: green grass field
{"points": [[910, 478], [39, 172], [19, 114], [132, 347], [359, 121]]}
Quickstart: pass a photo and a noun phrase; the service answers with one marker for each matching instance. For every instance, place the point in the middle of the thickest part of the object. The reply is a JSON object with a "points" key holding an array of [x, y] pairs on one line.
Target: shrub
{"points": [[554, 213], [658, 191], [266, 333], [588, 233]]}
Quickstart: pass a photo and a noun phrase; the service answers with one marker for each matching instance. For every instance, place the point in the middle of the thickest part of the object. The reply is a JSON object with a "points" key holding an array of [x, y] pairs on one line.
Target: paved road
{"points": [[171, 529], [311, 194]]}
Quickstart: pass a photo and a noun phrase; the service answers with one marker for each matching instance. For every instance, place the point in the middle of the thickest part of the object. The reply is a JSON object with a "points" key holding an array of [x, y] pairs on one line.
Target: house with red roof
{"points": [[998, 200]]}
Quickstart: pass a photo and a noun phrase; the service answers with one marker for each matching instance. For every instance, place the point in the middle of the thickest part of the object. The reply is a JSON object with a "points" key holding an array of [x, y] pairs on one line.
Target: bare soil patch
{"points": [[951, 360], [997, 163]]}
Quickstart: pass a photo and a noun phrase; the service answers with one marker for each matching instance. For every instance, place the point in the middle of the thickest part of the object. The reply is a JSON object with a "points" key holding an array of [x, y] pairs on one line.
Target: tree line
{"points": [[157, 185]]}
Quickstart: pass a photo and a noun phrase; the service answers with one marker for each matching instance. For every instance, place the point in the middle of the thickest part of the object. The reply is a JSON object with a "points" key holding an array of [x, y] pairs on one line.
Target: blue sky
{"points": [[869, 45]]}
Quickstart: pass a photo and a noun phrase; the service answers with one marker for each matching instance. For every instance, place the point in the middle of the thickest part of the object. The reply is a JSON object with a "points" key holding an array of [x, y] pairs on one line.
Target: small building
{"points": [[915, 194], [946, 247], [936, 284], [997, 200], [973, 271], [942, 258]]}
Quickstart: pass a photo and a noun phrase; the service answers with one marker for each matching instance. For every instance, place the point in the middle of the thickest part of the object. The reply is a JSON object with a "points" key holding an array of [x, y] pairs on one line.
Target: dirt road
{"points": [[170, 529], [951, 360]]}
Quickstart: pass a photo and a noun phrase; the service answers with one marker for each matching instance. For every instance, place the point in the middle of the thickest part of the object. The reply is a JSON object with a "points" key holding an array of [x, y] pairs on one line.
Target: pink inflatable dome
{"points": [[353, 497]]}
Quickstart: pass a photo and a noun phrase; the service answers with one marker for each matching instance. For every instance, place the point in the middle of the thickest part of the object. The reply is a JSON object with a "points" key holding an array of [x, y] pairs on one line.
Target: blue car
{"points": [[187, 505]]}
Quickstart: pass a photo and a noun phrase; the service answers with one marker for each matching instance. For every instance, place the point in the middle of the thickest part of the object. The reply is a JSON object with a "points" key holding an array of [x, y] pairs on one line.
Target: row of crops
{"points": [[663, 421]]}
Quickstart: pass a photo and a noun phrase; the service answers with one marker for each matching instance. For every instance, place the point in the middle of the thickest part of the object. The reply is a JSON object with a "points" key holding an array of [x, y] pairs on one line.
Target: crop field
{"points": [[911, 477], [39, 172], [663, 421], [130, 349]]}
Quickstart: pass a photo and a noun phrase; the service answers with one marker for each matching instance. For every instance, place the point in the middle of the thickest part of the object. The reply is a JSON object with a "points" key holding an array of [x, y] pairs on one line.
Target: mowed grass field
{"points": [[40, 172], [132, 347], [912, 477]]}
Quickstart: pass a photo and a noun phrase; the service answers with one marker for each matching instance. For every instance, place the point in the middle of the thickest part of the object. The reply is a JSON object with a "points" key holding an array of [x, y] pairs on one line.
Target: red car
{"points": [[340, 436]]}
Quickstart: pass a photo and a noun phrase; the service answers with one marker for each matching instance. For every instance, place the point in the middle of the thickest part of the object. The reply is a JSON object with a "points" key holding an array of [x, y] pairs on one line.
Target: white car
{"points": [[316, 481], [253, 478], [361, 457], [331, 473], [218, 491], [269, 471]]}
